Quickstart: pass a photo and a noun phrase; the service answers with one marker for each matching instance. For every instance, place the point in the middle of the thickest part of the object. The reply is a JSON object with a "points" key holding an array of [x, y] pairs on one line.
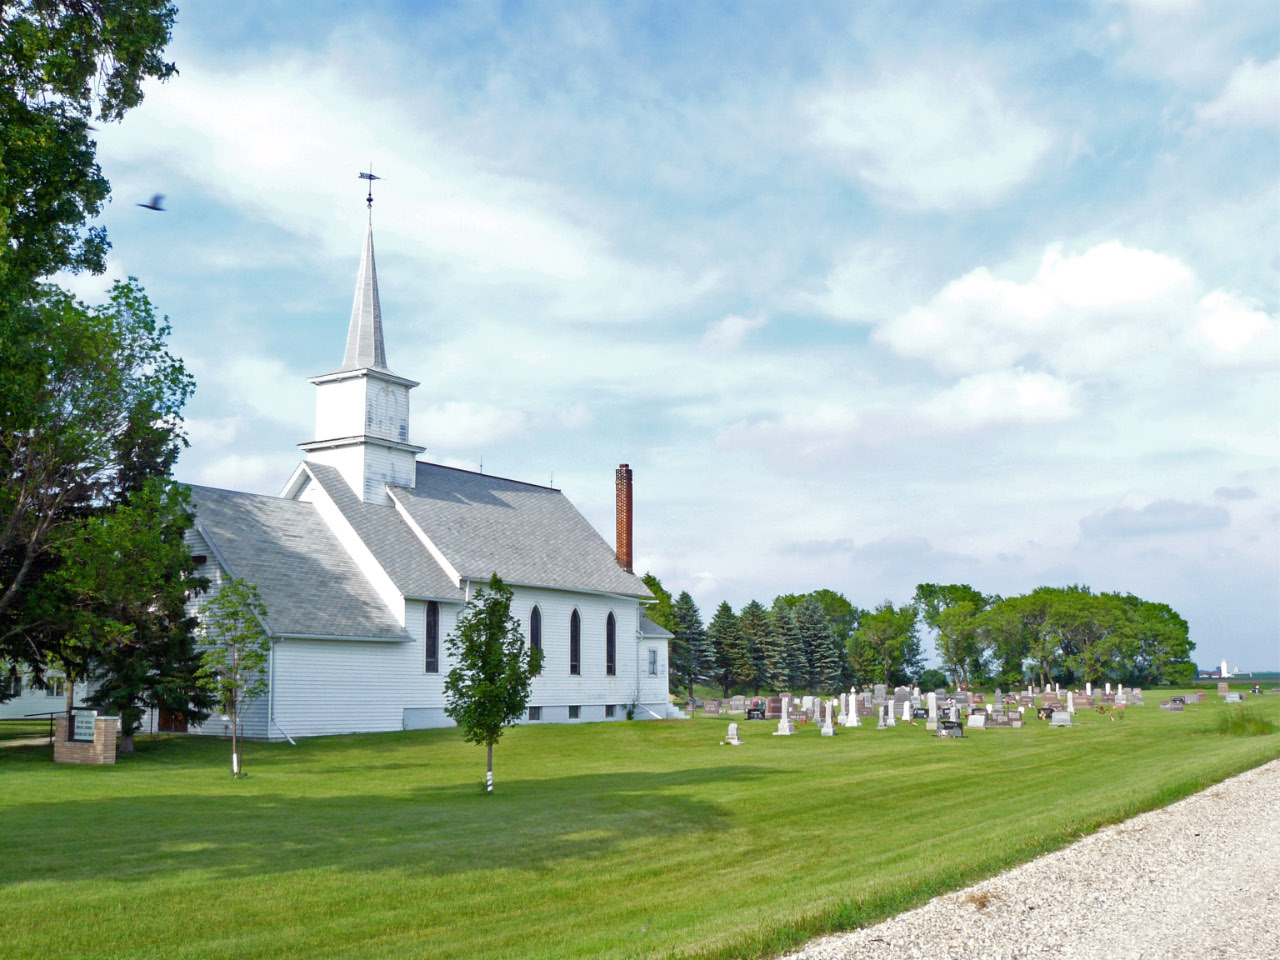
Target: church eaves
{"points": [[364, 337]]}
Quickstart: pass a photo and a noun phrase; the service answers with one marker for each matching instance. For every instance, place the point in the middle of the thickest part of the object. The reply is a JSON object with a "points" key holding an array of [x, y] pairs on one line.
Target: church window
{"points": [[575, 644], [535, 628], [433, 637], [611, 646], [653, 662]]}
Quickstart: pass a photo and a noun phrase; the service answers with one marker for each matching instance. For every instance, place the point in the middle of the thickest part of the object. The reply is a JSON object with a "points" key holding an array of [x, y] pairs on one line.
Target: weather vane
{"points": [[370, 177]]}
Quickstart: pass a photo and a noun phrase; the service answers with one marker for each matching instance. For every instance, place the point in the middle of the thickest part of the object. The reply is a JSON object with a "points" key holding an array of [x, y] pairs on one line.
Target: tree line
{"points": [[820, 642]]}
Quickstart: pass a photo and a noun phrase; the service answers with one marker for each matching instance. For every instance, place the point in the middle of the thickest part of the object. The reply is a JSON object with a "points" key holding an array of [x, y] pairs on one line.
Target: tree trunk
{"points": [[126, 743], [488, 777]]}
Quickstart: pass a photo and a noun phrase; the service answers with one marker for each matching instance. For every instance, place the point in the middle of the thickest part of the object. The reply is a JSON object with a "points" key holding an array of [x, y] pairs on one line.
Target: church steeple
{"points": [[364, 336], [362, 409]]}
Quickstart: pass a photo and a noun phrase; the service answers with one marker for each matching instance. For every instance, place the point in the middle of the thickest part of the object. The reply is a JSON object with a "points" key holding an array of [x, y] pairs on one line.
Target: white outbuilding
{"points": [[365, 559]]}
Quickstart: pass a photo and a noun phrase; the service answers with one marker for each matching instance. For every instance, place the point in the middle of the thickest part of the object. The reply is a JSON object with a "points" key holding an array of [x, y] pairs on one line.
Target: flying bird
{"points": [[155, 204]]}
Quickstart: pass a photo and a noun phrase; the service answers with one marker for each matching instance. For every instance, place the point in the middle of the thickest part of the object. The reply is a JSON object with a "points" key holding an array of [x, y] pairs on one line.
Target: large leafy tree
{"points": [[123, 583], [886, 646], [661, 611], [63, 65], [101, 415], [1156, 643], [488, 689], [236, 648], [951, 610], [89, 398]]}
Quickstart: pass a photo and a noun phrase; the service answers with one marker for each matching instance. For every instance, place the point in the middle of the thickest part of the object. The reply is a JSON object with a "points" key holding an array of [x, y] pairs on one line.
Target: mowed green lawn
{"points": [[602, 840]]}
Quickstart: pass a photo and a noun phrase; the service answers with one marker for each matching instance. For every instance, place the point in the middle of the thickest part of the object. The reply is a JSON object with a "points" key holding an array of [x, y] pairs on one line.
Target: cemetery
{"points": [[384, 844]]}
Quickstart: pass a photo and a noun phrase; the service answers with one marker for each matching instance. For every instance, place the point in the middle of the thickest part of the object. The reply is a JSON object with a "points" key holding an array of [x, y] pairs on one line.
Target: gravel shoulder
{"points": [[1197, 879]]}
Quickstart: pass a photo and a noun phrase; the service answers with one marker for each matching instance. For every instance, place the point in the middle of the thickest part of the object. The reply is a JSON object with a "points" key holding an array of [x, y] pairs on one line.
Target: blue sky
{"points": [[867, 294]]}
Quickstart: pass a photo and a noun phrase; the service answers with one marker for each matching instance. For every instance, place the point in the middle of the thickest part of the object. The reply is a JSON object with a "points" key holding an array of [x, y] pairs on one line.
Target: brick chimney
{"points": [[623, 478]]}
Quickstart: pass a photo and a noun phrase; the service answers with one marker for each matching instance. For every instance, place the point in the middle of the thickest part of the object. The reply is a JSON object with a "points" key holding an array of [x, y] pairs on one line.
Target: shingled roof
{"points": [[396, 548], [309, 584], [525, 533]]}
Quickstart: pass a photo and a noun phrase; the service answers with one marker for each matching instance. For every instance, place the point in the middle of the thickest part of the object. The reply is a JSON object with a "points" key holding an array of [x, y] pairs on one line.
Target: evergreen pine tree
{"points": [[725, 636], [697, 660], [815, 634], [757, 636], [793, 665]]}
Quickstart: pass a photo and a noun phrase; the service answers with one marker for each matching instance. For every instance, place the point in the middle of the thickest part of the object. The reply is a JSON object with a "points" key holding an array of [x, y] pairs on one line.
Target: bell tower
{"points": [[362, 409]]}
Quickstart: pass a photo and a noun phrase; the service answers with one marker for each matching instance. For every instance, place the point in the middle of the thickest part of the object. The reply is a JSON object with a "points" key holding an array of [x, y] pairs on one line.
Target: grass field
{"points": [[23, 729], [602, 840]]}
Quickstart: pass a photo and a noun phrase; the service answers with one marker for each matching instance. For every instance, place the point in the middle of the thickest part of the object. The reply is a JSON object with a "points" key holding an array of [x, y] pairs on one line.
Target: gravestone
{"points": [[1088, 689], [906, 710], [950, 728], [1071, 702], [737, 704], [932, 700], [955, 713], [1234, 697], [1108, 688], [1060, 718], [773, 708], [1178, 700], [711, 708], [784, 719], [1223, 687], [828, 728], [732, 738], [1044, 713], [880, 691], [977, 720], [880, 715], [919, 713]]}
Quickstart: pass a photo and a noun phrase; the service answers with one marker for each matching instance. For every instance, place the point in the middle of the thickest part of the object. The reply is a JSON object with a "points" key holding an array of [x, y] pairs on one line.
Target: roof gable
{"points": [[525, 533], [309, 584], [393, 544]]}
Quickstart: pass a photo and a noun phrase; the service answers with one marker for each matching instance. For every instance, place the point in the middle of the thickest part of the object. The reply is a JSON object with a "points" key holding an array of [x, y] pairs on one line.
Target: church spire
{"points": [[364, 337]]}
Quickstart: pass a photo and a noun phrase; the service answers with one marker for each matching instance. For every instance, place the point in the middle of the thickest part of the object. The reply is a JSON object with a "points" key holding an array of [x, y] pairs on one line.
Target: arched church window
{"points": [[433, 637], [535, 628], [575, 644], [611, 646]]}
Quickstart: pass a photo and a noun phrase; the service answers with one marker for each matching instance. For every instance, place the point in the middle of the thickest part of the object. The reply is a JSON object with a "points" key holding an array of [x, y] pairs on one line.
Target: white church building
{"points": [[366, 558]]}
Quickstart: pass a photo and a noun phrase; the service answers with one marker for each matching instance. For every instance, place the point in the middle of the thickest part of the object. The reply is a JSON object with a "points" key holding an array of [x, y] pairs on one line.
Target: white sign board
{"points": [[82, 724]]}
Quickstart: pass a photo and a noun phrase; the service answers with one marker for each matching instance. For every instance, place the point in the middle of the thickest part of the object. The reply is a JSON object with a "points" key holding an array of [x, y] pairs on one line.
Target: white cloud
{"points": [[931, 140], [814, 434], [465, 425], [729, 332], [1251, 98], [1237, 331], [1004, 397], [278, 141], [1082, 314]]}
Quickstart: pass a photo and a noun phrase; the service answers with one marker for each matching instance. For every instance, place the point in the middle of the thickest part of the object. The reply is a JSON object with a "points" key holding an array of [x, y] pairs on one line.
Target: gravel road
{"points": [[1198, 879]]}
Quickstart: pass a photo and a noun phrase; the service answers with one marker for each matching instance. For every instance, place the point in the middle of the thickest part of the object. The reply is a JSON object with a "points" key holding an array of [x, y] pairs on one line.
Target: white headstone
{"points": [[1088, 689], [1071, 702], [955, 712], [828, 729], [906, 710], [784, 722], [1119, 689], [733, 735], [977, 720], [1108, 688]]}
